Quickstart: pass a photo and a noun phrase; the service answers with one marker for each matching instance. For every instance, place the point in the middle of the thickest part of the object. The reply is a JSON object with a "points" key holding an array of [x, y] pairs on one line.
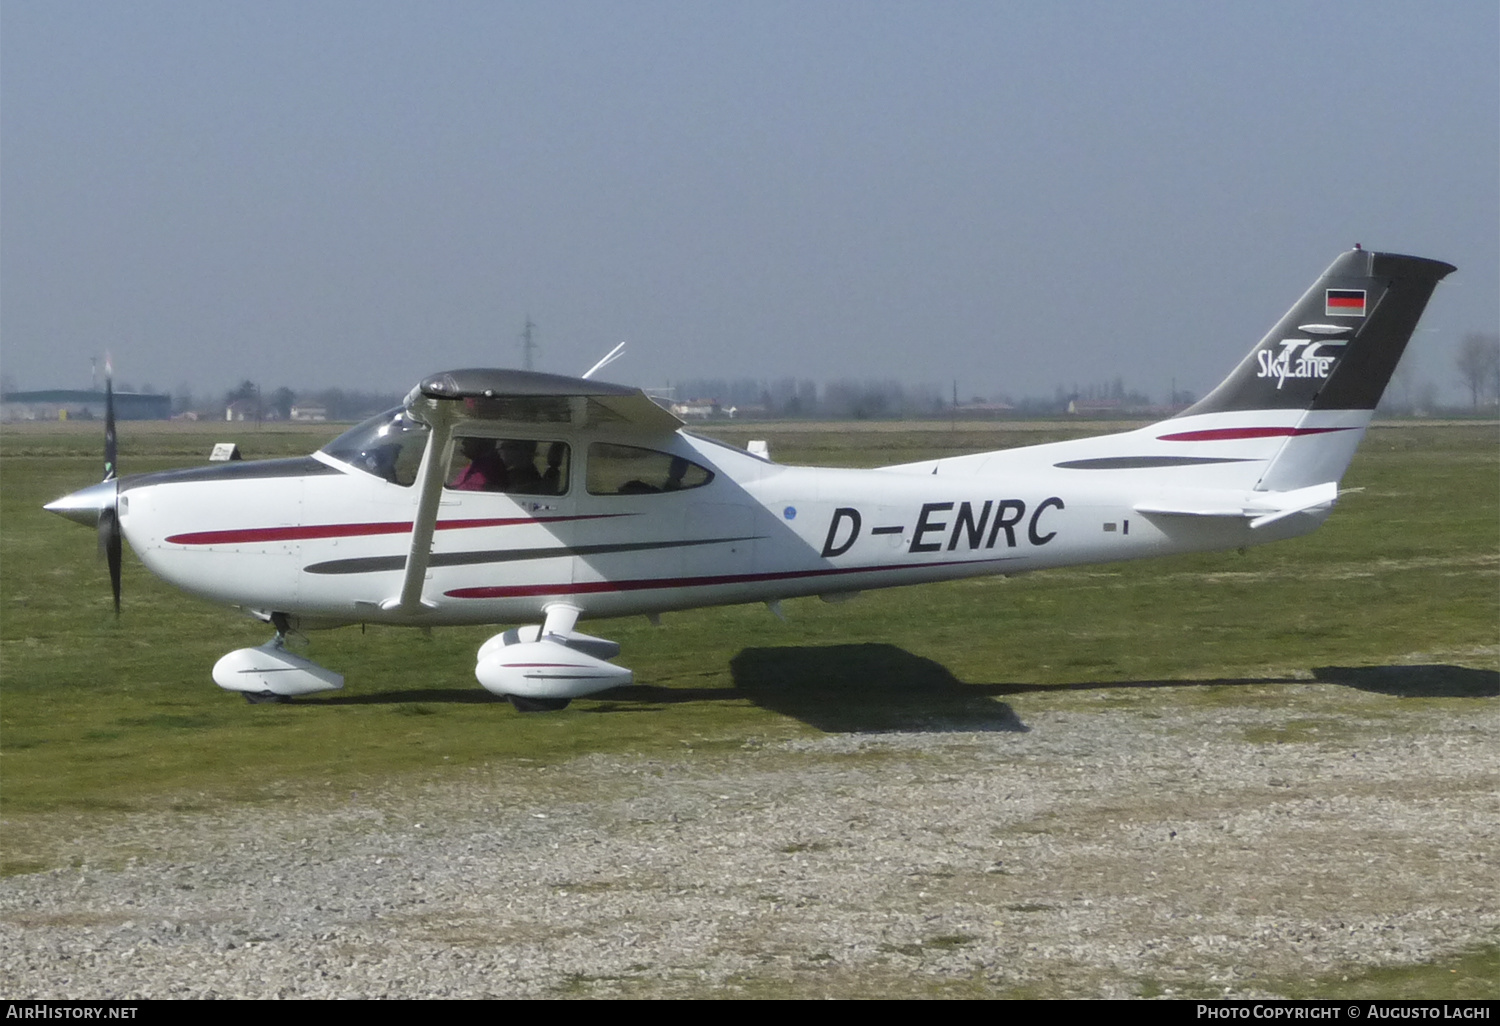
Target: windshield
{"points": [[388, 445]]}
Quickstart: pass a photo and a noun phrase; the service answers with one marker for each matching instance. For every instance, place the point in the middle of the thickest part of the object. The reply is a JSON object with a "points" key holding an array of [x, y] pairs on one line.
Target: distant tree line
{"points": [[1476, 359], [887, 399], [845, 399], [277, 403]]}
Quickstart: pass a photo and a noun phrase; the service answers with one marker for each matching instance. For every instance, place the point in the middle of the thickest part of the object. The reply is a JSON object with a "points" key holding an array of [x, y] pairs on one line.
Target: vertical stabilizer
{"points": [[1287, 418], [1338, 346], [1313, 382]]}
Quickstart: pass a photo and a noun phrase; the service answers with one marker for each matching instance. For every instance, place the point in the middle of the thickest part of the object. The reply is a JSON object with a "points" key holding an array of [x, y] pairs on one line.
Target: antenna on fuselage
{"points": [[609, 358]]}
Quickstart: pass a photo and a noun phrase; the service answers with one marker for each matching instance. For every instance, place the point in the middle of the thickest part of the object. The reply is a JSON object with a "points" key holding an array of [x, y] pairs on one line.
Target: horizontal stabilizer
{"points": [[1261, 508], [1175, 509], [1300, 500]]}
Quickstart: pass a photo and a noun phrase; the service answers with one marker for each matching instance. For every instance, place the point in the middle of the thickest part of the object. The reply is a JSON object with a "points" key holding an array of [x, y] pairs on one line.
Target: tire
{"points": [[527, 705]]}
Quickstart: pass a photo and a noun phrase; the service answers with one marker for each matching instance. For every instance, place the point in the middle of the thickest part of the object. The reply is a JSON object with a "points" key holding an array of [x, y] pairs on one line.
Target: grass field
{"points": [[101, 715]]}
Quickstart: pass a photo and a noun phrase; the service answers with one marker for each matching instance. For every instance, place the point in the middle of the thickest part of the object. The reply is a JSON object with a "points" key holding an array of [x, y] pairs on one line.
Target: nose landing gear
{"points": [[270, 673]]}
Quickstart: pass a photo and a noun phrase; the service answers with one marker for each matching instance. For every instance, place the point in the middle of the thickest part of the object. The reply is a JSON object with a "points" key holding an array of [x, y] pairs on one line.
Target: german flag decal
{"points": [[1345, 303]]}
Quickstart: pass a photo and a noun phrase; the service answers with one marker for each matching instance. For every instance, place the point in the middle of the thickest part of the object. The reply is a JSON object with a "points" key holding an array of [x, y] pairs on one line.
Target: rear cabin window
{"points": [[514, 466], [628, 470]]}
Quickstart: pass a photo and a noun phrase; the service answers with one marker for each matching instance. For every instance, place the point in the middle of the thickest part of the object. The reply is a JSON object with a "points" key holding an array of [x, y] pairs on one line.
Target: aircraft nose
{"points": [[85, 505]]}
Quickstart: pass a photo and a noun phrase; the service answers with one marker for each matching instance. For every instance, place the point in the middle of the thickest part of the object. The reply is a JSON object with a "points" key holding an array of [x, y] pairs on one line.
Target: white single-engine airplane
{"points": [[501, 496]]}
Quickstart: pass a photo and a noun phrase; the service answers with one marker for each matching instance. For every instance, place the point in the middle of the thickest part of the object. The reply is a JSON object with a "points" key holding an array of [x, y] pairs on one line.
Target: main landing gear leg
{"points": [[283, 624], [542, 667], [560, 620]]}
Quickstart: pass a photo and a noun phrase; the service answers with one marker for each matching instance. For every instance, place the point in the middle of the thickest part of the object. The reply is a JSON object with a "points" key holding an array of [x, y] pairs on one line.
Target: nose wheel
{"points": [[283, 625], [272, 672]]}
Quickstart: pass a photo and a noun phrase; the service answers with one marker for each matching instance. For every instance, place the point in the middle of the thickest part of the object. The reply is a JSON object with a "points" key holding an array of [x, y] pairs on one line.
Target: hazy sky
{"points": [[1013, 194]]}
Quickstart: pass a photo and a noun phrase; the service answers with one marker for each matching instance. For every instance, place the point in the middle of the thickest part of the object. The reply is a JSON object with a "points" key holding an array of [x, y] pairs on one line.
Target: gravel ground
{"points": [[1110, 844]]}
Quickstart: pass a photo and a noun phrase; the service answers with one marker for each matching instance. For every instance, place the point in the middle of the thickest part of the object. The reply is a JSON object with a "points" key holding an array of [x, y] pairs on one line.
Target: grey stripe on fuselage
{"points": [[1143, 462], [375, 564]]}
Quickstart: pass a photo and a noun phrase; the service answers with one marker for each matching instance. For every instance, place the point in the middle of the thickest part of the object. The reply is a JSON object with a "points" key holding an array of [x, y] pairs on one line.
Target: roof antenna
{"points": [[609, 358]]}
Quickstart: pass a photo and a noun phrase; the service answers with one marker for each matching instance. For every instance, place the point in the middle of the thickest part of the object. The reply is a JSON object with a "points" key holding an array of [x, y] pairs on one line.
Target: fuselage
{"points": [[325, 541]]}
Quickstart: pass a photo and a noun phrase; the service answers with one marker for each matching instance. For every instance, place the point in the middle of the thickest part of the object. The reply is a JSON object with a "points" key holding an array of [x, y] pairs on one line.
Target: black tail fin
{"points": [[1337, 348]]}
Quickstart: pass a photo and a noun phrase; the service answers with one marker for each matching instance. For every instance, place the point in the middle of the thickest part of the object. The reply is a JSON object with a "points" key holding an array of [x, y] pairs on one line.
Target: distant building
{"points": [[243, 409], [709, 409], [979, 409], [82, 404], [310, 412], [697, 409], [1120, 407], [1087, 407]]}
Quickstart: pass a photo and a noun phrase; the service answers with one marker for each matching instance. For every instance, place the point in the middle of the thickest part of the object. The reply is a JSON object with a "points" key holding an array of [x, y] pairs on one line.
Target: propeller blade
{"points": [[109, 547], [99, 504], [109, 517]]}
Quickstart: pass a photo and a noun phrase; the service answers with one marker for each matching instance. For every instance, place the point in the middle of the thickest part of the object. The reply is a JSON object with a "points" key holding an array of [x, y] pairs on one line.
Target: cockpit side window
{"points": [[388, 445], [515, 466], [629, 470]]}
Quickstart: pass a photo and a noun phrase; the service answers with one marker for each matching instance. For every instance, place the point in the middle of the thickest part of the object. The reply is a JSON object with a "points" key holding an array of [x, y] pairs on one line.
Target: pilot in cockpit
{"points": [[521, 475]]}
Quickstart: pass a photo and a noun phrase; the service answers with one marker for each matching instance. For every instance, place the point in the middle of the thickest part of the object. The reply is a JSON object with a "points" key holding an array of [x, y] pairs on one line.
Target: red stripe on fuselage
{"points": [[595, 587], [306, 532], [1231, 434]]}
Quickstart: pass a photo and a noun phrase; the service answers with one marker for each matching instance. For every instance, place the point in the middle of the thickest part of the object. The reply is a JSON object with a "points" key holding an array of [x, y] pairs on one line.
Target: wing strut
{"points": [[430, 492]]}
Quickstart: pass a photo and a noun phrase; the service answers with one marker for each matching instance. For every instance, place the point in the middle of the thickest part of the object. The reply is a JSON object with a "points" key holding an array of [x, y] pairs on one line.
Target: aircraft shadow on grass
{"points": [[842, 689], [435, 696], [863, 688], [1428, 681], [835, 688]]}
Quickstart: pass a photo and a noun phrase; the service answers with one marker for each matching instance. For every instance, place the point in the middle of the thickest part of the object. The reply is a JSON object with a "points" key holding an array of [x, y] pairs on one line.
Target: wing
{"points": [[528, 396]]}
